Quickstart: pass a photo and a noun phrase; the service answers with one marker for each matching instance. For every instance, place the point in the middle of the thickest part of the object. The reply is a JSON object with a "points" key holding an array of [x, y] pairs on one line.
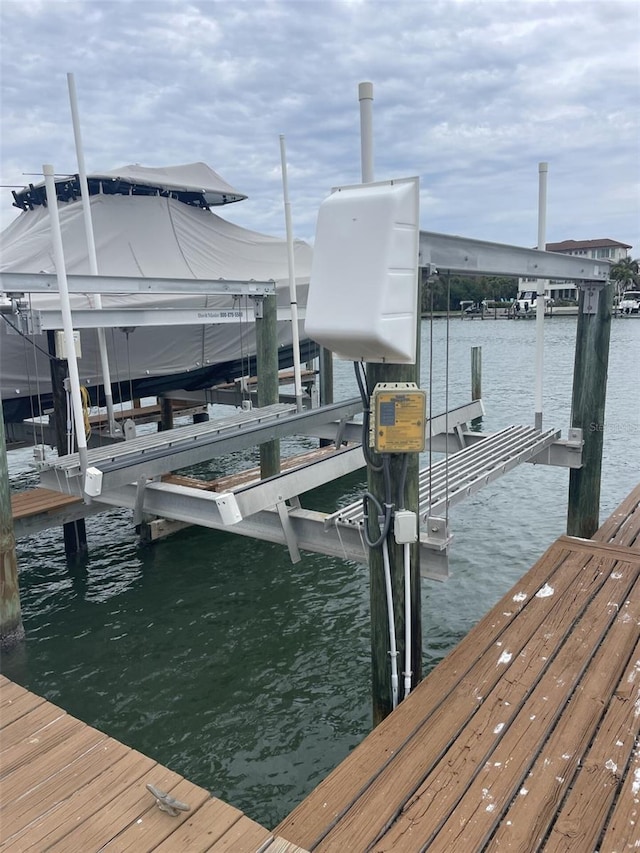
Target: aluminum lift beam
{"points": [[152, 455], [193, 506], [444, 251], [24, 282], [477, 257], [38, 321]]}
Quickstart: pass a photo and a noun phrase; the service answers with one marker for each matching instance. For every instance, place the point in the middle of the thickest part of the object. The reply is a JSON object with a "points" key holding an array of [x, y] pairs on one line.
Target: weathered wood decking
{"points": [[524, 738], [67, 787], [39, 501]]}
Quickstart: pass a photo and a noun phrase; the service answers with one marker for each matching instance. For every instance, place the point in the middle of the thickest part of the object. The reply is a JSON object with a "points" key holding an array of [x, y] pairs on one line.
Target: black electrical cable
{"points": [[384, 512], [364, 394]]}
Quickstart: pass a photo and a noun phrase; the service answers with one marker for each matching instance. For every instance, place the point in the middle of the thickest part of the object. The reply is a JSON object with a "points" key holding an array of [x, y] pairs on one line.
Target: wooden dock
{"points": [[524, 738], [67, 787]]}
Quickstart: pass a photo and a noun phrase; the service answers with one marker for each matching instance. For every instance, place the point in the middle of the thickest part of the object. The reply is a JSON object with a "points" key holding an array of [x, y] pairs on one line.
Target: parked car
{"points": [[630, 302]]}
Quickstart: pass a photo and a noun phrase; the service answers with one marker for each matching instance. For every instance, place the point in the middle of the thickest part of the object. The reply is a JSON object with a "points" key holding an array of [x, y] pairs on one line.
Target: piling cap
{"points": [[365, 91]]}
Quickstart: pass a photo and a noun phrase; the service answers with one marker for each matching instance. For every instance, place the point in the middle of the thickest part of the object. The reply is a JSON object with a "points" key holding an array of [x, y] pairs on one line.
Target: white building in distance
{"points": [[605, 248]]}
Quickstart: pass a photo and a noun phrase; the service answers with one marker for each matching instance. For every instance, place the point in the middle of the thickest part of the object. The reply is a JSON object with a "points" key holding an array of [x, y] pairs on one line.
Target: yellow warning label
{"points": [[399, 421]]}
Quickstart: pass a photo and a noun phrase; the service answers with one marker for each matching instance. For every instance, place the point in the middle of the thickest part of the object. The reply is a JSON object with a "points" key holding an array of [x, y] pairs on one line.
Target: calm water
{"points": [[250, 676]]}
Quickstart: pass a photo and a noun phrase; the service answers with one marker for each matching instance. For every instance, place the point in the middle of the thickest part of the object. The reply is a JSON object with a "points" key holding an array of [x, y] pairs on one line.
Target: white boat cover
{"points": [[150, 236]]}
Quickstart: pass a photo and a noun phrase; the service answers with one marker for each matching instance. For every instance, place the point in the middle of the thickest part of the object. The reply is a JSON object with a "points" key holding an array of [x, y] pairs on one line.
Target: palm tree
{"points": [[626, 274]]}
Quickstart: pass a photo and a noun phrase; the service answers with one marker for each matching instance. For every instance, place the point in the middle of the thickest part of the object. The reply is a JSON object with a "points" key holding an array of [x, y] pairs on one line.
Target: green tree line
{"points": [[435, 290], [626, 274]]}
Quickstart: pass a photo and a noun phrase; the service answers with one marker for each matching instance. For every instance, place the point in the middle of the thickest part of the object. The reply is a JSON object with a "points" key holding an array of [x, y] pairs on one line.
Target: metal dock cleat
{"points": [[167, 803]]}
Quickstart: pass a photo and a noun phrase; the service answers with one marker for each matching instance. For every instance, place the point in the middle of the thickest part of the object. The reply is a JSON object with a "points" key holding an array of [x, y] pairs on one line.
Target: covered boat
{"points": [[147, 222]]}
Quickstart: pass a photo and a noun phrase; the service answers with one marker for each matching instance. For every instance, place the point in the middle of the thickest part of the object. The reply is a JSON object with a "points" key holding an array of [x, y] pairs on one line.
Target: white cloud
{"points": [[470, 95]]}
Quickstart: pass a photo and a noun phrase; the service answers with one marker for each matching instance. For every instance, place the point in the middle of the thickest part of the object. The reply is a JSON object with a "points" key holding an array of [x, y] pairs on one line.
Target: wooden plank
{"points": [[310, 821], [583, 814], [461, 734], [203, 829], [46, 829], [37, 742], [607, 549], [26, 725], [152, 412], [34, 787], [39, 500], [16, 705], [133, 804], [59, 787], [70, 788], [9, 692], [243, 836], [152, 826], [622, 831], [508, 774], [617, 528], [281, 845], [242, 478], [551, 775]]}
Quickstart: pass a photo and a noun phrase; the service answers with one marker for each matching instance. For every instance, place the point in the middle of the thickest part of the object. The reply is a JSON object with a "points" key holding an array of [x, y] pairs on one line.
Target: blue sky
{"points": [[469, 95]]}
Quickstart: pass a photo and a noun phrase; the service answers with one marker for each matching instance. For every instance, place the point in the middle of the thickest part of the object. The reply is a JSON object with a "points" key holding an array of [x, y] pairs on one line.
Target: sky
{"points": [[469, 95]]}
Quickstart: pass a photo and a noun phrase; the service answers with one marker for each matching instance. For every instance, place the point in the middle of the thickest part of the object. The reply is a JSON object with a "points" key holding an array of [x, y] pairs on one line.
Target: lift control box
{"points": [[398, 418]]}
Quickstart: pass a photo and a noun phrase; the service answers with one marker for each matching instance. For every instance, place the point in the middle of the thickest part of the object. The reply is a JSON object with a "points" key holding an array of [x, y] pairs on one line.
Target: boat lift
{"points": [[127, 474]]}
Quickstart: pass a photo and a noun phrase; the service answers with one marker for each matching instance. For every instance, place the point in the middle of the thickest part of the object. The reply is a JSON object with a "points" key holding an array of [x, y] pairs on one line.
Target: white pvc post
{"points": [[114, 428], [365, 96], [65, 307], [406, 558], [295, 339], [543, 169]]}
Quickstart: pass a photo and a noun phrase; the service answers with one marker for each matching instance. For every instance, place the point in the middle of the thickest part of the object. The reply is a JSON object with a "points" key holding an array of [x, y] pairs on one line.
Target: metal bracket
{"points": [[137, 509], [574, 437], [258, 307], [289, 533], [438, 537], [27, 322], [459, 431], [342, 425], [436, 542], [591, 299], [167, 803]]}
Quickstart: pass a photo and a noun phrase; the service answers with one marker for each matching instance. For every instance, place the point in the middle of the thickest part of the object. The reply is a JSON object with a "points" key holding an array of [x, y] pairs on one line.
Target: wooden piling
{"points": [[326, 384], [476, 378], [476, 373], [380, 660], [588, 405], [11, 628], [268, 390], [166, 414], [74, 532], [326, 376]]}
